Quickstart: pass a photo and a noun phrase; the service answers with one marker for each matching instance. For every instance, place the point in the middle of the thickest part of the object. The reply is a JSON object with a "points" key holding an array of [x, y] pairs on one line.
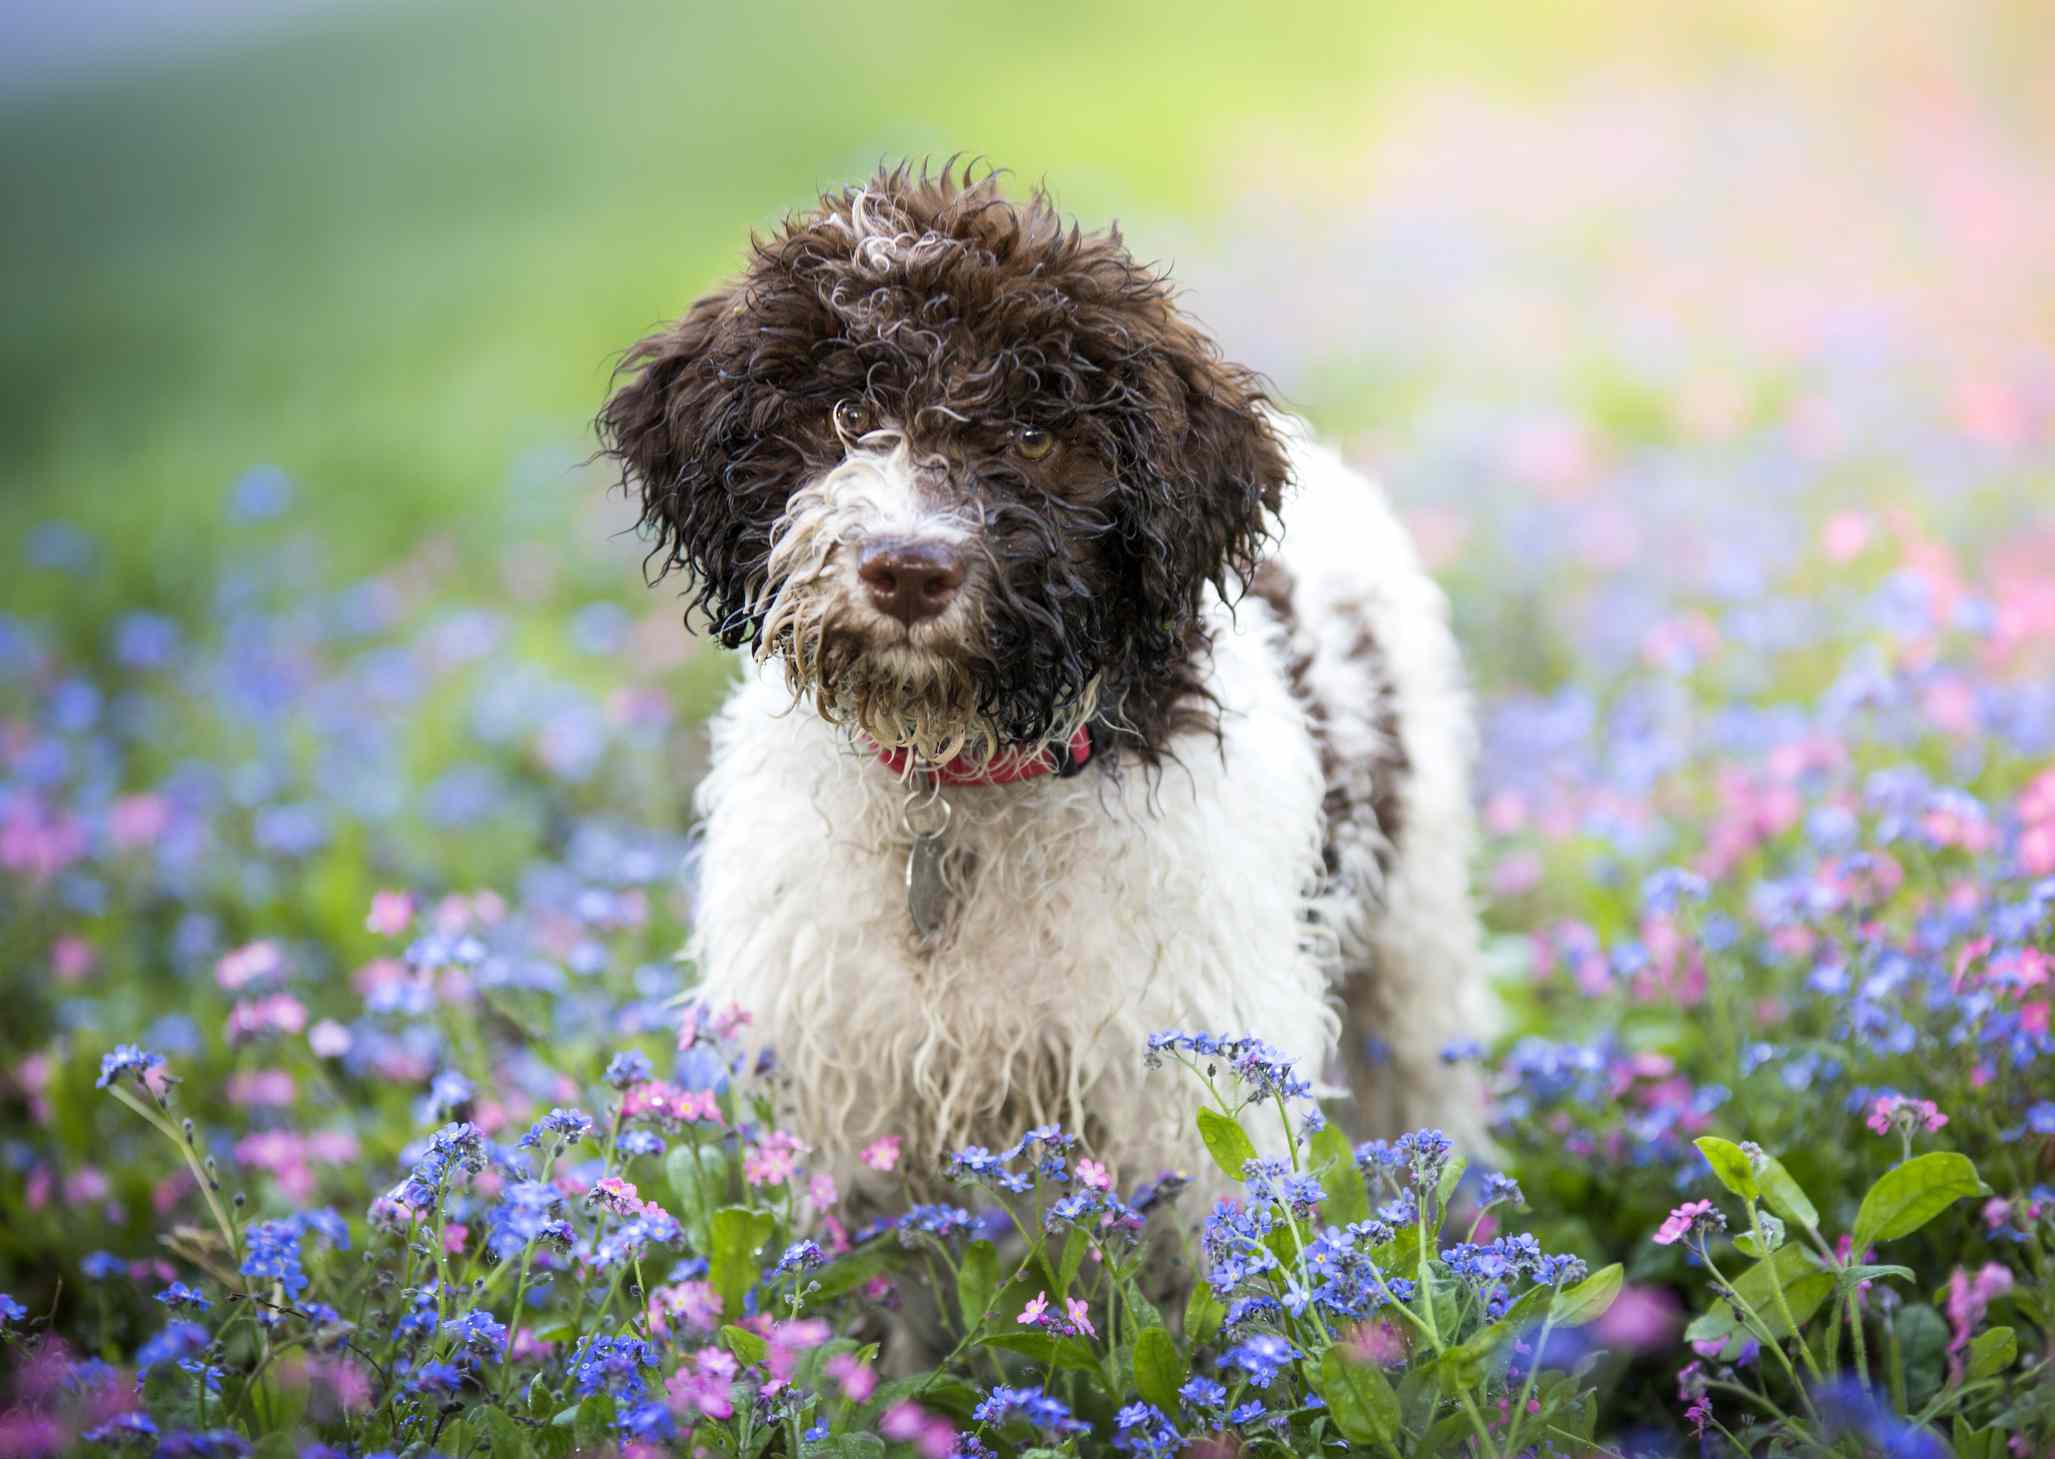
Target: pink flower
{"points": [[1641, 1319], [882, 1154], [390, 913], [2037, 848], [345, 1380], [703, 1388], [774, 1159], [1968, 1299], [1913, 1115], [261, 1088], [788, 1340], [1845, 536], [616, 1194], [693, 1306], [329, 1039], [1080, 1316], [137, 820], [856, 1378], [1682, 1220], [254, 962], [821, 1191], [907, 1422], [1092, 1175], [1380, 1342], [281, 1013], [668, 1104], [528, 1347], [1031, 1315], [71, 958]]}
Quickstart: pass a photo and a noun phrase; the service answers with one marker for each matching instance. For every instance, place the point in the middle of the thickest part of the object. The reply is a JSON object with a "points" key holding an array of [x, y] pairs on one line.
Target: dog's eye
{"points": [[853, 418], [1033, 442]]}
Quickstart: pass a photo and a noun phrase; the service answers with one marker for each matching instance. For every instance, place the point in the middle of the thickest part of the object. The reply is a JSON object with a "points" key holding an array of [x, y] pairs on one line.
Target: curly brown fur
{"points": [[944, 306]]}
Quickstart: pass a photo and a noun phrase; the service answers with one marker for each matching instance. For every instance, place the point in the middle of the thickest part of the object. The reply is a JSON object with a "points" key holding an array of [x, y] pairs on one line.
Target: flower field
{"points": [[351, 1100]]}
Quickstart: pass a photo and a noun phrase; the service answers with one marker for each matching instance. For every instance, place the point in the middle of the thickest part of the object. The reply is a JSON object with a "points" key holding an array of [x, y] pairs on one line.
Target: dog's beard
{"points": [[930, 691]]}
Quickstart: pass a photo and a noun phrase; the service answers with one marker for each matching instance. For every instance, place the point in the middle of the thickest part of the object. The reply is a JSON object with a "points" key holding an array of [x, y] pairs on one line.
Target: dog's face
{"points": [[965, 471]]}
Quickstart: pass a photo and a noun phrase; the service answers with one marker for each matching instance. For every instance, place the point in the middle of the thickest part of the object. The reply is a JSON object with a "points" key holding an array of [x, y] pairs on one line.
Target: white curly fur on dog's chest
{"points": [[1096, 912], [1097, 909]]}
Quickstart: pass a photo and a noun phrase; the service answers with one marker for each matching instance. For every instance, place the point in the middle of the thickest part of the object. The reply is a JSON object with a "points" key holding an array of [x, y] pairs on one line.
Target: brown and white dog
{"points": [[1091, 696]]}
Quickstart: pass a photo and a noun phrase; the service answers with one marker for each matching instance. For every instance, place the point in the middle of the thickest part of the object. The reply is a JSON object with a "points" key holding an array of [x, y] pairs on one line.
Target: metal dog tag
{"points": [[927, 899], [925, 817]]}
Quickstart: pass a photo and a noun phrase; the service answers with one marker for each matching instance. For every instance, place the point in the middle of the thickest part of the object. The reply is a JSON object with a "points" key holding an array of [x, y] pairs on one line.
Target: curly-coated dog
{"points": [[1091, 696]]}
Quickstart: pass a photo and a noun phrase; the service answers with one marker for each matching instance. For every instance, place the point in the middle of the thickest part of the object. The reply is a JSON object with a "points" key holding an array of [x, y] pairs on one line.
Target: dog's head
{"points": [[964, 469]]}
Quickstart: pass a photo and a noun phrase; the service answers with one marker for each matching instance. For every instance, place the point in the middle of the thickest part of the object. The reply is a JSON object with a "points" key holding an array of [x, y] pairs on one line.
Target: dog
{"points": [[1088, 695]]}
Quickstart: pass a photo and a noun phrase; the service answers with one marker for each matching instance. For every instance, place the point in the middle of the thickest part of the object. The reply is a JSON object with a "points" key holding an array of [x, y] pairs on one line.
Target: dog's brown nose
{"points": [[910, 578]]}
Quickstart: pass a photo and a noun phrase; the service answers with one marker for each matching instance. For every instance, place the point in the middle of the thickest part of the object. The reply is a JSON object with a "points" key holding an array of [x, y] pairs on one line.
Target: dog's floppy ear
{"points": [[1210, 473], [682, 427]]}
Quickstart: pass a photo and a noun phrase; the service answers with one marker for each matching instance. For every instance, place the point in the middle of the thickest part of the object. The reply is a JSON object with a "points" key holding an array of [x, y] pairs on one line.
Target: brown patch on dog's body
{"points": [[1348, 810]]}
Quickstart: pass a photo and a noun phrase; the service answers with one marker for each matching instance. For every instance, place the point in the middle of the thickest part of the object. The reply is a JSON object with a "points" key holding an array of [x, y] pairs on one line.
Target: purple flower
{"points": [[272, 1251], [477, 1331], [629, 1067], [800, 1256], [126, 1059], [181, 1297]]}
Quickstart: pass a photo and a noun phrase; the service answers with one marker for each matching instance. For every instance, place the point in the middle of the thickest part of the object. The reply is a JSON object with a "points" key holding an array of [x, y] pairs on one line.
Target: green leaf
{"points": [[1461, 1368], [1346, 1198], [1074, 1249], [931, 1390], [1718, 1324], [1923, 1346], [1806, 1285], [1730, 1163], [738, 1234], [1419, 1395], [976, 1280], [744, 1344], [849, 1446], [1908, 1196], [1451, 1177], [1783, 1195], [1203, 1314], [1401, 1253], [1044, 1348], [1992, 1352], [1360, 1397], [1849, 1277], [1159, 1370], [1589, 1299], [1448, 1435], [1226, 1141], [1747, 1245], [847, 1273], [1467, 1370], [1015, 1295], [1140, 1308]]}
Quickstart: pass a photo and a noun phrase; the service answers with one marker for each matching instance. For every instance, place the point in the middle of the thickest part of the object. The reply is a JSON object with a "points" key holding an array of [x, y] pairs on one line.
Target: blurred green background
{"points": [[393, 249], [388, 248]]}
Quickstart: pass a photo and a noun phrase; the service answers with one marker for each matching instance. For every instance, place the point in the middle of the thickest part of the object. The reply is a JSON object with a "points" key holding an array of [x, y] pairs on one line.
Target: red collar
{"points": [[1007, 769]]}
